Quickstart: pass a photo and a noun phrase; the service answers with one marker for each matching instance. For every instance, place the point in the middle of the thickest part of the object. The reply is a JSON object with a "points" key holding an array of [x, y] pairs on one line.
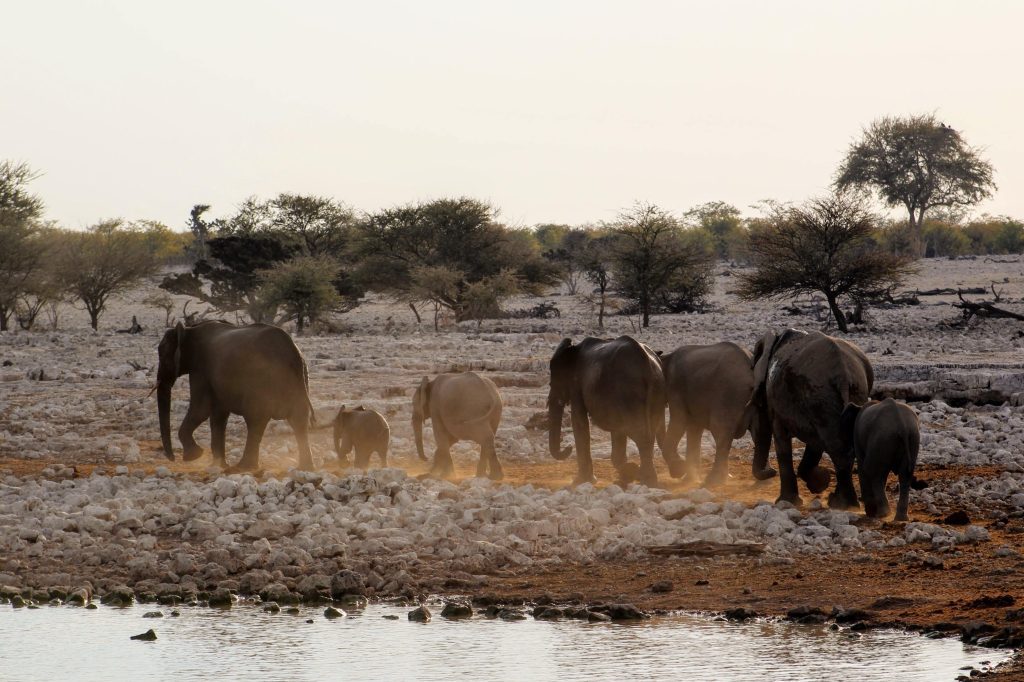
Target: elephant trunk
{"points": [[555, 410], [417, 430], [163, 406]]}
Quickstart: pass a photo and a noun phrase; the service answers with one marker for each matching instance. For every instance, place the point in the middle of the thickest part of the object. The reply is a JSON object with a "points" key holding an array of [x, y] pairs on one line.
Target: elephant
{"points": [[254, 371], [365, 430], [709, 387], [886, 437], [461, 406], [804, 380], [616, 384]]}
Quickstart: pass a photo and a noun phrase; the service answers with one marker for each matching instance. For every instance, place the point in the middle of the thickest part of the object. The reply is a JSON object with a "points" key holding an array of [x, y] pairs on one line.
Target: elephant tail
{"points": [[309, 403]]}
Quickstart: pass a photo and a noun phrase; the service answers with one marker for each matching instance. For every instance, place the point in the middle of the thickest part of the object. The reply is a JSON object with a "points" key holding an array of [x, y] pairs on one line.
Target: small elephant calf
{"points": [[365, 430], [886, 438]]}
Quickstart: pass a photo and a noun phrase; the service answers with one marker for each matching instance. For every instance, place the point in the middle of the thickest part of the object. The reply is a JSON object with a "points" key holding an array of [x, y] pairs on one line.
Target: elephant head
{"points": [[563, 371], [420, 413], [170, 368], [342, 439]]}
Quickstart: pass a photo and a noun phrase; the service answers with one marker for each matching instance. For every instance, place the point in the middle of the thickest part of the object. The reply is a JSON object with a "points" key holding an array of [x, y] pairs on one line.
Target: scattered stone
{"points": [[330, 613], [420, 615], [957, 518], [153, 614], [456, 611], [740, 614], [147, 636], [389, 616], [662, 586]]}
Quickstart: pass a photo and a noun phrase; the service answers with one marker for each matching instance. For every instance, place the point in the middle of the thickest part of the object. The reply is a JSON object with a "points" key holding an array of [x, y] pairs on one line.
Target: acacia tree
{"points": [[596, 263], [655, 262], [108, 258], [304, 288], [919, 163], [824, 246], [21, 249], [435, 251], [724, 224]]}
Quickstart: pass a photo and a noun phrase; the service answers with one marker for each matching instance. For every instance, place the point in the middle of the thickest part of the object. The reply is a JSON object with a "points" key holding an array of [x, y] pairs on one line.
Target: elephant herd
{"points": [[803, 385]]}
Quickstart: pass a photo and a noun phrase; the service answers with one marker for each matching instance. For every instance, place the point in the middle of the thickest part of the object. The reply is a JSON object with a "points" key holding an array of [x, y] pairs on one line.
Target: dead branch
{"points": [[950, 292], [997, 294], [707, 548], [983, 309]]}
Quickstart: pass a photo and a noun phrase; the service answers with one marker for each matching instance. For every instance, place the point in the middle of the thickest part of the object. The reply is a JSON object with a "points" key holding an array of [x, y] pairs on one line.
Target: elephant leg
{"points": [[383, 452], [845, 495], [761, 433], [693, 463], [787, 477], [670, 447], [218, 429], [648, 474], [444, 465], [198, 412], [254, 427], [618, 451], [816, 478], [300, 426], [495, 471], [903, 504], [362, 458], [581, 434], [720, 471]]}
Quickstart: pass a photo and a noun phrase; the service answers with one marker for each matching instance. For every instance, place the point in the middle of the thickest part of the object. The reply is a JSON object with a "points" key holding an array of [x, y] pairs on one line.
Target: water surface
{"points": [[69, 643]]}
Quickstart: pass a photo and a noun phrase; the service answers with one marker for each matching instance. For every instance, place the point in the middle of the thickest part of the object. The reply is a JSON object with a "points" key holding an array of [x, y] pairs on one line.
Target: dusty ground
{"points": [[96, 414]]}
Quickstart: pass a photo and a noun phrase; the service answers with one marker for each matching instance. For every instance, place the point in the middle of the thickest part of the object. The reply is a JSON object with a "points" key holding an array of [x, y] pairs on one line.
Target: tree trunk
{"points": [[837, 314], [600, 312], [416, 313], [298, 324], [645, 310], [5, 316]]}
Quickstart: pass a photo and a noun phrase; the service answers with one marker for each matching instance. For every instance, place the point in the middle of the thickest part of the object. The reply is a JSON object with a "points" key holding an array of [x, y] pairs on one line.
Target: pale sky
{"points": [[553, 111]]}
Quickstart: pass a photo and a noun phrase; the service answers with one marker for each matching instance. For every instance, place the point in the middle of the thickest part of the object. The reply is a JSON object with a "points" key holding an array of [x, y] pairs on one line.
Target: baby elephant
{"points": [[885, 438], [365, 430]]}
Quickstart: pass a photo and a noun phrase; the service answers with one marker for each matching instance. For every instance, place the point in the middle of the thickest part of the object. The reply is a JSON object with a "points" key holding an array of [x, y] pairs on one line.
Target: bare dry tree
{"points": [[823, 246]]}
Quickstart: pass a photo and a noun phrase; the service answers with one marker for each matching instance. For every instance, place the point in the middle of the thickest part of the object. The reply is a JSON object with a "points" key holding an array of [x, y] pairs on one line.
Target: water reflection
{"points": [[64, 643]]}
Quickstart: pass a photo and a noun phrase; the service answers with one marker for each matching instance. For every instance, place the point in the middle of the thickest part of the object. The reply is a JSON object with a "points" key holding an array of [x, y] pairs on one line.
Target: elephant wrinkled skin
{"points": [[364, 430], [710, 387], [616, 384], [254, 371], [804, 380], [460, 406]]}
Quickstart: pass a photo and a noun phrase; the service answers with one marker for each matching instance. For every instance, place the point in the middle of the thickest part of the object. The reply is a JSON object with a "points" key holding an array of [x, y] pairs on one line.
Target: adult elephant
{"points": [[461, 406], [804, 380], [253, 371], [710, 387], [616, 384]]}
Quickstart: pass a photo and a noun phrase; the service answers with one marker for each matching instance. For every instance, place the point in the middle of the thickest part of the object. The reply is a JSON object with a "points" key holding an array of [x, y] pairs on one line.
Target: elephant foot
{"points": [[794, 500], [765, 474], [716, 478], [496, 474], [677, 467], [842, 502], [191, 454], [241, 469], [901, 516], [582, 478], [817, 479]]}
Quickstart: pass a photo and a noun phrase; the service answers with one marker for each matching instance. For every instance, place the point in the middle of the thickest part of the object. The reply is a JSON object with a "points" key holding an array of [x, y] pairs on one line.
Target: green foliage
{"points": [[917, 163], [21, 246], [305, 288], [944, 240], [108, 258], [657, 264], [724, 224], [413, 252]]}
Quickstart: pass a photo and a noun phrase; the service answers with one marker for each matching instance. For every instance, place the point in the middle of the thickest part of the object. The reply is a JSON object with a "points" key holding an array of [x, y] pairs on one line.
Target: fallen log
{"points": [[949, 291], [707, 548], [983, 309]]}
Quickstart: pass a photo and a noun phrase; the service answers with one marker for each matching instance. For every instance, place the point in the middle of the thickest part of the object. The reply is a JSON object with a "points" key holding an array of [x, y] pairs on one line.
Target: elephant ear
{"points": [[848, 421], [762, 357], [179, 331], [423, 395]]}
